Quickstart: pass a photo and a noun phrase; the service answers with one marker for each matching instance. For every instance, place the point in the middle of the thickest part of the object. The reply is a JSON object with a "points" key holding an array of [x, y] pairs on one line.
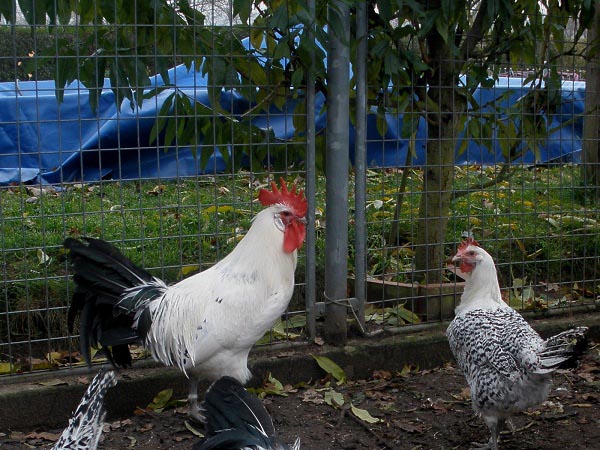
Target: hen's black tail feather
{"points": [[563, 350], [236, 419], [102, 275]]}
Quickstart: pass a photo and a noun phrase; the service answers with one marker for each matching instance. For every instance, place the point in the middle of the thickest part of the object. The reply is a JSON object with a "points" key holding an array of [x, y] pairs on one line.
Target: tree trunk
{"points": [[591, 121], [435, 203], [438, 172]]}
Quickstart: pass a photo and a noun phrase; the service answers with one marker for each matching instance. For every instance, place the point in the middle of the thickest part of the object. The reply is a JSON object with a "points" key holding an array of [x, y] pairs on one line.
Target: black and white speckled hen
{"points": [[85, 425], [507, 364], [236, 419]]}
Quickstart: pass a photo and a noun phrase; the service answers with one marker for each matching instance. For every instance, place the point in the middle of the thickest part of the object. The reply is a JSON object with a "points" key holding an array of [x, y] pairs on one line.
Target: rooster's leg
{"points": [[193, 406]]}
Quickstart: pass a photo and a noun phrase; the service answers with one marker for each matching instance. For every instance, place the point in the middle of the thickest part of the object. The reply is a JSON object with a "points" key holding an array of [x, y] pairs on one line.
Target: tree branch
{"points": [[475, 34], [504, 174]]}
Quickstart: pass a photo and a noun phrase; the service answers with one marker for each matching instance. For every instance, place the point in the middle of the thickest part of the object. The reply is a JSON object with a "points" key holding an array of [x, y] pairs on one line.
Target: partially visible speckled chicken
{"points": [[507, 364], [85, 426]]}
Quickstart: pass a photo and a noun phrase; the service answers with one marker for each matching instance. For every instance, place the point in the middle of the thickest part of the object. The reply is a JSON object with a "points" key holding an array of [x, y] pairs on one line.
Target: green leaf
{"points": [[276, 385], [161, 401], [333, 398], [190, 268], [331, 368], [296, 321], [406, 315], [242, 9], [6, 367], [193, 430], [272, 387], [217, 209], [363, 414]]}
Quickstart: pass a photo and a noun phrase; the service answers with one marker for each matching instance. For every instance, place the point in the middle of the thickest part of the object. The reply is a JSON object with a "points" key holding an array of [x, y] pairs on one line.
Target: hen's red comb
{"points": [[293, 199], [468, 241]]}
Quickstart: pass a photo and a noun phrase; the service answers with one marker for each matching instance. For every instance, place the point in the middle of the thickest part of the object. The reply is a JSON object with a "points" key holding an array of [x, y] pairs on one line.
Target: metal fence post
{"points": [[311, 182], [360, 168], [338, 119]]}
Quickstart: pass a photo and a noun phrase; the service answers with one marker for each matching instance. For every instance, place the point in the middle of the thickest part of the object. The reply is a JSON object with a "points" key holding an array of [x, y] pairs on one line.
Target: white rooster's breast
{"points": [[207, 323]]}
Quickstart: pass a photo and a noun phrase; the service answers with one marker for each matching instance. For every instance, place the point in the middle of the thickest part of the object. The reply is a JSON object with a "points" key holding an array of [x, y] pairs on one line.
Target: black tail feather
{"points": [[564, 350], [236, 419], [229, 405], [102, 274]]}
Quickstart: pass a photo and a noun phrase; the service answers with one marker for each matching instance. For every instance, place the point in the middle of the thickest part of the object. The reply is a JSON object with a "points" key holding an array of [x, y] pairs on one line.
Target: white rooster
{"points": [[507, 364], [205, 324]]}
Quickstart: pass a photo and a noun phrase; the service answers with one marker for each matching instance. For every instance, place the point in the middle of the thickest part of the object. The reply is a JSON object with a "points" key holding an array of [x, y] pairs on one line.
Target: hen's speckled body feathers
{"points": [[503, 359], [85, 426], [508, 366]]}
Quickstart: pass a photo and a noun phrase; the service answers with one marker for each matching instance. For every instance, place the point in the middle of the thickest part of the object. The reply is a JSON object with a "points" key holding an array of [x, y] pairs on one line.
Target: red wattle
{"points": [[466, 267], [293, 237]]}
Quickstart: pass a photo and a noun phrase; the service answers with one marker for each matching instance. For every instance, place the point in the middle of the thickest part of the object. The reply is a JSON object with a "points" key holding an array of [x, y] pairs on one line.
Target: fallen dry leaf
{"points": [[146, 427], [46, 436], [591, 396], [382, 375], [409, 426], [55, 382], [437, 405], [156, 190], [312, 396], [463, 395]]}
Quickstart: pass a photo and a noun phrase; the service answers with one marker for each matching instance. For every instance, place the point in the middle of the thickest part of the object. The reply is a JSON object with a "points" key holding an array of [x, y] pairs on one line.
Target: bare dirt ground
{"points": [[415, 410]]}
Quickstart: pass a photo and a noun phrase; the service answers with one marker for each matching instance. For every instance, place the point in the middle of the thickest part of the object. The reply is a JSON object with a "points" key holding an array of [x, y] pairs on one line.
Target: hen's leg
{"points": [[495, 425]]}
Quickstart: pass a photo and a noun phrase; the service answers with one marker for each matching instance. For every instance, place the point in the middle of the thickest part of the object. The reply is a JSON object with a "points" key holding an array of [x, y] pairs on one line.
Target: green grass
{"points": [[538, 222], [537, 226]]}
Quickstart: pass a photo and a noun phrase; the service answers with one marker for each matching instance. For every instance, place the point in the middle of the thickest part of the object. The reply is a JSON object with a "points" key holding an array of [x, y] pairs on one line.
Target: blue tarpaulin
{"points": [[42, 141]]}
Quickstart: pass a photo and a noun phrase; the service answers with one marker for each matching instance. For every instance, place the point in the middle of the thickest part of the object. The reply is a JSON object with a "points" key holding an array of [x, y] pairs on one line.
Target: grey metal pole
{"points": [[360, 169], [338, 122], [311, 182]]}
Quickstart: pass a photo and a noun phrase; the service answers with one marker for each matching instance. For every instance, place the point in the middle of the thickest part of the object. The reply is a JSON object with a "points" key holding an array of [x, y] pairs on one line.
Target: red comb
{"points": [[468, 241], [293, 199]]}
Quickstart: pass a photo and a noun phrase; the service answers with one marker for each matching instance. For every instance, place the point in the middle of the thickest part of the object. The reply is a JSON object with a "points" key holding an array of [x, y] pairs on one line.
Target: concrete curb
{"points": [[46, 400]]}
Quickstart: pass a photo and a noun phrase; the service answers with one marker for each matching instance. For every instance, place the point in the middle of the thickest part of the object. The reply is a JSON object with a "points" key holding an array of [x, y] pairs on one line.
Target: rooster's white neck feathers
{"points": [[263, 242]]}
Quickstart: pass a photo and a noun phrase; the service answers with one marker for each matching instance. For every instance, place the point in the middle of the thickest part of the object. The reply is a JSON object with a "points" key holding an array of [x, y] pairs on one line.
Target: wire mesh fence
{"points": [[167, 165]]}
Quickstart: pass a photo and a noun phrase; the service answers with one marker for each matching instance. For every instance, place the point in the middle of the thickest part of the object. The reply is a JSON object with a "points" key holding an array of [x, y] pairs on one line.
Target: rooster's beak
{"points": [[455, 260]]}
